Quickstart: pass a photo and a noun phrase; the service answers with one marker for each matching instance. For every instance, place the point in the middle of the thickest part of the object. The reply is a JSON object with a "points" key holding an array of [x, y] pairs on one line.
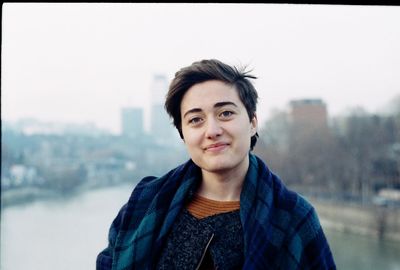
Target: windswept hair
{"points": [[206, 70]]}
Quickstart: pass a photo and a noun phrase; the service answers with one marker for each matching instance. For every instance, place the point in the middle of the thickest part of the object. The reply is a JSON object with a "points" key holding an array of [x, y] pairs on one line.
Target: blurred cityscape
{"points": [[348, 166], [352, 159], [41, 160]]}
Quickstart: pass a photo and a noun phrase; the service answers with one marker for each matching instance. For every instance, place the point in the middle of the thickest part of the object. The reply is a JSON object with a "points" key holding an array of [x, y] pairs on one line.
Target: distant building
{"points": [[31, 126], [308, 113], [132, 122], [160, 126]]}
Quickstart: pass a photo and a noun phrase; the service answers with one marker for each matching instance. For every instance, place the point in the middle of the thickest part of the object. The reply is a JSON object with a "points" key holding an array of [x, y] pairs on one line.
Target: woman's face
{"points": [[216, 127]]}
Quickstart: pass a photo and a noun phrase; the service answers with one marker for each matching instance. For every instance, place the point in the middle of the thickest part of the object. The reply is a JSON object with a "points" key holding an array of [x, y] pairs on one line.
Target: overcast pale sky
{"points": [[82, 62]]}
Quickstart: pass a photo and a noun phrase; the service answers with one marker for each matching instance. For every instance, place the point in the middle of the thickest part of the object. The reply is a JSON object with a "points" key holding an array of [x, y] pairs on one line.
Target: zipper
{"points": [[204, 253]]}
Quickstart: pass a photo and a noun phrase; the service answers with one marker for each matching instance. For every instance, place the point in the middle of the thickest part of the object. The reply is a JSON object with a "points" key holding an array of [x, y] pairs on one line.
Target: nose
{"points": [[213, 129]]}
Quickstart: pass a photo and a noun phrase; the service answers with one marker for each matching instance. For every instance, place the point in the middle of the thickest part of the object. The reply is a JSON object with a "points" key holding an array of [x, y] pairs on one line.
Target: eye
{"points": [[226, 114], [195, 120]]}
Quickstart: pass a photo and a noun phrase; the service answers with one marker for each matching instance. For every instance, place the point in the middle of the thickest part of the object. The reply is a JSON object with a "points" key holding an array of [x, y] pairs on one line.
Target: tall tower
{"points": [[160, 125], [309, 113], [132, 121], [308, 118]]}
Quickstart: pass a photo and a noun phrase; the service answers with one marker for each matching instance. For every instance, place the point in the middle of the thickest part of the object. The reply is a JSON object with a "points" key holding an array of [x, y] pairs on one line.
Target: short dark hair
{"points": [[206, 70]]}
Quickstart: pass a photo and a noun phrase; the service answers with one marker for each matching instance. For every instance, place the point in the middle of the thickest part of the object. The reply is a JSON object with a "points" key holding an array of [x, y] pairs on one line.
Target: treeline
{"points": [[352, 157]]}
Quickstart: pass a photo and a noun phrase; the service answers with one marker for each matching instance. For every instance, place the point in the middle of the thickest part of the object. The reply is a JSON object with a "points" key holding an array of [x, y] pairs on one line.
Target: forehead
{"points": [[207, 94]]}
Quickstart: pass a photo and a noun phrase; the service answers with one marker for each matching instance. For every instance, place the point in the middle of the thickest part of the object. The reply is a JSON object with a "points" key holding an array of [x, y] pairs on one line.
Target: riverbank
{"points": [[26, 195], [376, 221]]}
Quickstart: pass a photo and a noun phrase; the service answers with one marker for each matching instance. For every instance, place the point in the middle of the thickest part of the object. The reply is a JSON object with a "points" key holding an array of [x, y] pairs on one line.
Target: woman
{"points": [[222, 209]]}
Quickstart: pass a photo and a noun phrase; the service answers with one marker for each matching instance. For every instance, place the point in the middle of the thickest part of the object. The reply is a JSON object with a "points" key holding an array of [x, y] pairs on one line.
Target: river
{"points": [[68, 234]]}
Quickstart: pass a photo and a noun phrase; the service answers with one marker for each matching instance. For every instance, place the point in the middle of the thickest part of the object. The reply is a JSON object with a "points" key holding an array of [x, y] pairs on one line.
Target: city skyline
{"points": [[86, 69], [132, 120]]}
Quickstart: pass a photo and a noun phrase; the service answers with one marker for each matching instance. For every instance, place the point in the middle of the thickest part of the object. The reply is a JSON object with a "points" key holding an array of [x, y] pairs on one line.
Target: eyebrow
{"points": [[216, 105]]}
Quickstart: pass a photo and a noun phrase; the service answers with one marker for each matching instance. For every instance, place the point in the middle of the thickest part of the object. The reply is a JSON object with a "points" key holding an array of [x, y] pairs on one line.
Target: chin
{"points": [[218, 166]]}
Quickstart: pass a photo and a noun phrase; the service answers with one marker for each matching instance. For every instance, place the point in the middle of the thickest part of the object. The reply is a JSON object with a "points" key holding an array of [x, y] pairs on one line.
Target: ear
{"points": [[254, 125]]}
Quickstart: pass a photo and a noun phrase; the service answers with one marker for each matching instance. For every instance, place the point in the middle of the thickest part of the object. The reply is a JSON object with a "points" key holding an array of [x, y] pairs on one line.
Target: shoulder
{"points": [[149, 185], [292, 202], [295, 209], [289, 209], [148, 188], [305, 239], [298, 217], [281, 198], [295, 219]]}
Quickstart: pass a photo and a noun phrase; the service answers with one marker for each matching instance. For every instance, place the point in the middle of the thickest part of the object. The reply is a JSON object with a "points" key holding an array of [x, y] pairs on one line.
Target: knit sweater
{"points": [[202, 207], [219, 236]]}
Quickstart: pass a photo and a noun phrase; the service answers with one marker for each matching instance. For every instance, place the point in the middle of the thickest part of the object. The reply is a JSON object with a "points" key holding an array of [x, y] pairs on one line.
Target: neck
{"points": [[225, 185]]}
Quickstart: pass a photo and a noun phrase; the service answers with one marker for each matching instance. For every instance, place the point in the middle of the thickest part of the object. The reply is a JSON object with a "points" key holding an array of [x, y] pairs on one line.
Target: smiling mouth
{"points": [[216, 147]]}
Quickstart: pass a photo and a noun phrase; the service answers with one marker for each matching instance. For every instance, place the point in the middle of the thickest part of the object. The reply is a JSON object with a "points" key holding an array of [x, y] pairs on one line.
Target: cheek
{"points": [[245, 136], [243, 130], [190, 137]]}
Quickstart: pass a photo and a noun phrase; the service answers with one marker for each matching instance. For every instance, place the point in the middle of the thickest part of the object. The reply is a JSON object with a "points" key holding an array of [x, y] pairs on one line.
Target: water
{"points": [[59, 235], [68, 234], [352, 251]]}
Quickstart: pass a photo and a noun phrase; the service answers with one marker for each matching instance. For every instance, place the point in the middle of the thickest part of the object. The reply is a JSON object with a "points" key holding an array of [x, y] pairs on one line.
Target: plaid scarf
{"points": [[281, 229]]}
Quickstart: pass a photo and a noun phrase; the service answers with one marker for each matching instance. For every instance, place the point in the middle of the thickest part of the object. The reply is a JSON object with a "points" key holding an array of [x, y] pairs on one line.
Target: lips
{"points": [[215, 147]]}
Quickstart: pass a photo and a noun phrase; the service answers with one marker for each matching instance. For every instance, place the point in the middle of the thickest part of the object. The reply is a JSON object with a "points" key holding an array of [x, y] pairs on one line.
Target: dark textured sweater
{"points": [[189, 241]]}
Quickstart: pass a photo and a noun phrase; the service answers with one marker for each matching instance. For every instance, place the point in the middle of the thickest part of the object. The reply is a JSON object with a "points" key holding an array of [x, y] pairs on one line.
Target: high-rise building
{"points": [[160, 125], [309, 113], [132, 121]]}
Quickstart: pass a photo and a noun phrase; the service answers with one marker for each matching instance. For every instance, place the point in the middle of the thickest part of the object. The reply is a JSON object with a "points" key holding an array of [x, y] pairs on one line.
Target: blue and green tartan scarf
{"points": [[281, 229]]}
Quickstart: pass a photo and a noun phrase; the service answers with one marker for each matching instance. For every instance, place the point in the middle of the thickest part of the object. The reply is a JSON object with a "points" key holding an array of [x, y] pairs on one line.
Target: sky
{"points": [[83, 62]]}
